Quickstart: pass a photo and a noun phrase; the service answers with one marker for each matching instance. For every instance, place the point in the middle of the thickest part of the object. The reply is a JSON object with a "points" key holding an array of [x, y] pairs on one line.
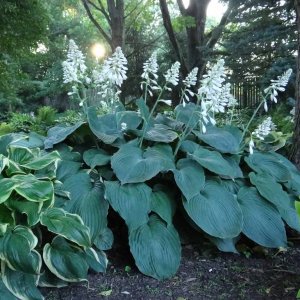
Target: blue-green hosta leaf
{"points": [[160, 133], [105, 239], [224, 245], [32, 189], [96, 157], [64, 261], [104, 127], [144, 109], [66, 153], [270, 189], [59, 133], [20, 155], [41, 162], [67, 225], [268, 163], [216, 211], [87, 201], [132, 165], [213, 161], [188, 114], [156, 248], [7, 139], [171, 123], [163, 204], [226, 139], [66, 168], [17, 249], [131, 201], [189, 177], [289, 214], [262, 221], [130, 118], [96, 260], [189, 146], [7, 185], [5, 293], [20, 284], [234, 161]]}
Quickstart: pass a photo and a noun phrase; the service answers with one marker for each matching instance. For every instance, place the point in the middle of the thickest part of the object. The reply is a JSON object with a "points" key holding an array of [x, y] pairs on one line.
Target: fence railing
{"points": [[247, 92]]}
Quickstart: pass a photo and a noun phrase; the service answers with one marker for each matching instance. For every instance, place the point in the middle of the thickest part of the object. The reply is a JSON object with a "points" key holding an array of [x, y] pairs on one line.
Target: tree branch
{"points": [[98, 26], [136, 6], [169, 28], [101, 8]]}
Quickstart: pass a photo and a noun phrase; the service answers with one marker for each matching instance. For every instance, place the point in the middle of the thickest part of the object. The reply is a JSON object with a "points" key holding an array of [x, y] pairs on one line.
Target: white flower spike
{"points": [[264, 129], [172, 75]]}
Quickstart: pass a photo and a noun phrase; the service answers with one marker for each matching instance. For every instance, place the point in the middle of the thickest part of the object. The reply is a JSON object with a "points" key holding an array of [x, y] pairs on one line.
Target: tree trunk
{"points": [[116, 13], [295, 155]]}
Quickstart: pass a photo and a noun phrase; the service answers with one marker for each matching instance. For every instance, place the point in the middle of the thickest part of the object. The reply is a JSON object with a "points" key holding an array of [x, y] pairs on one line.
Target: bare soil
{"points": [[205, 273]]}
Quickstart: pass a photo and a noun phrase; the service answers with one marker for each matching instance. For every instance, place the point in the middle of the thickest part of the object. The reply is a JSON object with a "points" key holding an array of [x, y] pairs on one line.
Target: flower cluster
{"points": [[277, 85], [264, 129], [74, 67], [189, 82], [172, 75], [150, 69]]}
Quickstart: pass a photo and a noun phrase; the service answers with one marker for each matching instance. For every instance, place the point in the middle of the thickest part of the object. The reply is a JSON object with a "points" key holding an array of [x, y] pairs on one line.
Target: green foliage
{"points": [[42, 244], [46, 115], [221, 188]]}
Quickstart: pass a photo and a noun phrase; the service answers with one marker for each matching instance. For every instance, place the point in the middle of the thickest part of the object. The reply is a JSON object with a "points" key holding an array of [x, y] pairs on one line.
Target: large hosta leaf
{"points": [[33, 140], [216, 211], [132, 165], [16, 248], [225, 140], [3, 162], [131, 201], [7, 185], [156, 248], [160, 133], [7, 139], [130, 118], [67, 225], [262, 221], [162, 203], [96, 157], [189, 177], [6, 219], [33, 189], [224, 245], [96, 260], [213, 161], [5, 293], [188, 114], [59, 133], [41, 162], [268, 163], [270, 189], [87, 201], [66, 262], [66, 168], [20, 155], [104, 240], [20, 284], [104, 127]]}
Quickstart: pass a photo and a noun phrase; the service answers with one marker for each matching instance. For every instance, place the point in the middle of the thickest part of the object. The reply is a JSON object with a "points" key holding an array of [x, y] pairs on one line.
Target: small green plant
{"points": [[46, 115], [5, 128]]}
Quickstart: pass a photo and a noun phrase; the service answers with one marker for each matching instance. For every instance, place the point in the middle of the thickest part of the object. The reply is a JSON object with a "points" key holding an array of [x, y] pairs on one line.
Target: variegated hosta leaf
{"points": [[65, 261], [17, 250], [156, 248], [41, 162], [67, 225], [132, 165], [5, 293], [20, 284]]}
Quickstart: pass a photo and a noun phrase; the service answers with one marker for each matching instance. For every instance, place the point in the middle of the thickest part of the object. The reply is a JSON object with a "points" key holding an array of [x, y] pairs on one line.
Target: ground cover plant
{"points": [[147, 167]]}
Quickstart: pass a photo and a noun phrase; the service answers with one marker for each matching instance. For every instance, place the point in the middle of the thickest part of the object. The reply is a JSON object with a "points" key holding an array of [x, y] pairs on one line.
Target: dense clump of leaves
{"points": [[41, 243]]}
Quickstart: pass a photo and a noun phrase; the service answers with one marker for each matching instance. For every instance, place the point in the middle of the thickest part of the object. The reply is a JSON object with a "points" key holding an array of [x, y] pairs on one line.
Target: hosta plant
{"points": [[41, 244], [148, 165]]}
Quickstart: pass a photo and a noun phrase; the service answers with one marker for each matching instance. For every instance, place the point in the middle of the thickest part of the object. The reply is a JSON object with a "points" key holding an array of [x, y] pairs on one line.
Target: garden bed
{"points": [[203, 274]]}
